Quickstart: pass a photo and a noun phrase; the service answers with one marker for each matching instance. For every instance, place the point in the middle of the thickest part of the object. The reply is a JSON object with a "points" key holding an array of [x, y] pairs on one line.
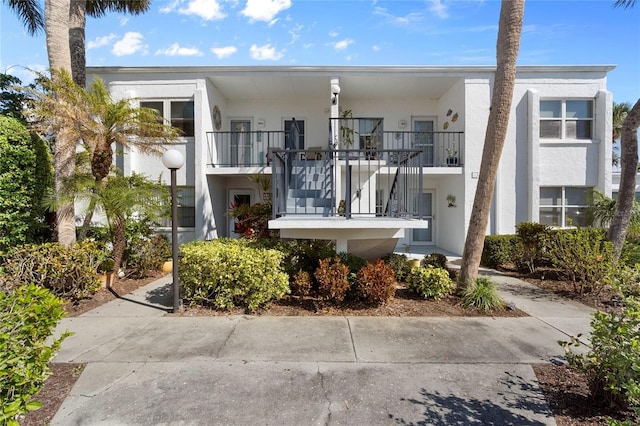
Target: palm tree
{"points": [[629, 166], [620, 112], [77, 22], [508, 45], [99, 122], [30, 13]]}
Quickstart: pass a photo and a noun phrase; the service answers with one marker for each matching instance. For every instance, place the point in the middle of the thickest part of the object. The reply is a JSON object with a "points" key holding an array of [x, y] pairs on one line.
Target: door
{"points": [[240, 142], [238, 197], [424, 236], [423, 140]]}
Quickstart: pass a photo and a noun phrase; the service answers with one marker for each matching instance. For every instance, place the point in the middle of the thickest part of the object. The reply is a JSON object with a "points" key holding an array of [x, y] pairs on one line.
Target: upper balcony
{"points": [[255, 148]]}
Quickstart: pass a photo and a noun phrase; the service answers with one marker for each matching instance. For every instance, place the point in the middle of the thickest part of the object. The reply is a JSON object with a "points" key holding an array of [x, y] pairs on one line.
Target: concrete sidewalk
{"points": [[144, 368]]}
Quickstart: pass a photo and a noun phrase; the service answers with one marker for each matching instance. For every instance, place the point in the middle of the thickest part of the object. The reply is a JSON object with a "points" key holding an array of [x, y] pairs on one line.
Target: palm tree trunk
{"points": [[119, 241], [86, 223], [57, 34], [77, 23], [509, 30], [626, 194]]}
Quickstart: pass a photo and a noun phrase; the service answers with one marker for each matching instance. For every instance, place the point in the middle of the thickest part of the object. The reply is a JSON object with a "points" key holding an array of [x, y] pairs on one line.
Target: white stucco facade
{"points": [[453, 102]]}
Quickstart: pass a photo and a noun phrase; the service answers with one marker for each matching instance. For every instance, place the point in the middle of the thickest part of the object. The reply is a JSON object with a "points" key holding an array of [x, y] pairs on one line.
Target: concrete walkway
{"points": [[144, 368]]}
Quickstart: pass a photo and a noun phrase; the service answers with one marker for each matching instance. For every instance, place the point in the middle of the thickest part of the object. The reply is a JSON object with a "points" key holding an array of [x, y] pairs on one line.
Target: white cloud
{"points": [[407, 19], [376, 48], [264, 10], [129, 44], [342, 44], [333, 34], [100, 41], [295, 33], [176, 50], [123, 21], [224, 52], [266, 52], [209, 10], [439, 9]]}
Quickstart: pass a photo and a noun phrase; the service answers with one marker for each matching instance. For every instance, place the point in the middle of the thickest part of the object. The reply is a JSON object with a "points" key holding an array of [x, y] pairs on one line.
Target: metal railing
{"points": [[242, 149], [388, 184], [254, 148]]}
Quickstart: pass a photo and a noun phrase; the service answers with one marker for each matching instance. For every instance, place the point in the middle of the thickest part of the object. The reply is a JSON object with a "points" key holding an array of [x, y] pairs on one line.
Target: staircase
{"points": [[309, 191]]}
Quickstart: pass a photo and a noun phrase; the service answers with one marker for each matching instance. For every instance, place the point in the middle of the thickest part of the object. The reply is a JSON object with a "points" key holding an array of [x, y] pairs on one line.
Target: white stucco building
{"points": [[416, 132]]}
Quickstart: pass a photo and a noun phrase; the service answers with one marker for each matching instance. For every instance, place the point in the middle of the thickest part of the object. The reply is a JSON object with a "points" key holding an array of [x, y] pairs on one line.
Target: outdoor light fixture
{"points": [[335, 91], [173, 160]]}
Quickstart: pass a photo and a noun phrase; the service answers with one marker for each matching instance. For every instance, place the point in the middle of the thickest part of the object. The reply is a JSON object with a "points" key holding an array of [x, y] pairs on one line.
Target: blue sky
{"points": [[324, 32]]}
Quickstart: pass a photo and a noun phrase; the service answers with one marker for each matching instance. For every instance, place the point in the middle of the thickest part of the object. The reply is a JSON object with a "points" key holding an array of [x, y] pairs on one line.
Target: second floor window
{"points": [[566, 119], [178, 113]]}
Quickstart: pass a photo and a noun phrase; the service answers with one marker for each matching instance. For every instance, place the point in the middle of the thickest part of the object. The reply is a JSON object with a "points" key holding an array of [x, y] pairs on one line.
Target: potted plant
{"points": [[105, 270], [371, 147], [452, 157], [346, 128]]}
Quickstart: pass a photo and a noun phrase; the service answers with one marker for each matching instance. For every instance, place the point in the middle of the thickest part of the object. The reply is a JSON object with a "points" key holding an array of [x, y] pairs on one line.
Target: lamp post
{"points": [[173, 160]]}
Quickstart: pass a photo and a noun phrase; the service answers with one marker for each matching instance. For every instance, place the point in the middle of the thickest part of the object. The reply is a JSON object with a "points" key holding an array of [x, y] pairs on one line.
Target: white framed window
{"points": [[564, 206], [566, 119], [180, 113], [186, 207]]}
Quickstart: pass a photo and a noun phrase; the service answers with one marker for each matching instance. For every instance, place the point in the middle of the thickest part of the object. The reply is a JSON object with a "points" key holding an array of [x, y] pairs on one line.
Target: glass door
{"points": [[240, 142], [238, 197], [424, 236], [423, 140]]}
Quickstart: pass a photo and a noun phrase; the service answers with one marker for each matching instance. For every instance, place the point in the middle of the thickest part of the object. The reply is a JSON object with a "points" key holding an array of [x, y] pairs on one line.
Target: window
{"points": [[181, 114], [290, 134], [564, 206], [186, 207], [566, 119]]}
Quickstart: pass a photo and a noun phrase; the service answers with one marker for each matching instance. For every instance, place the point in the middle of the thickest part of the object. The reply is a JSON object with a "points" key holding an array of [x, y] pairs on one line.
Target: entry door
{"points": [[424, 236], [238, 197], [423, 139], [240, 142]]}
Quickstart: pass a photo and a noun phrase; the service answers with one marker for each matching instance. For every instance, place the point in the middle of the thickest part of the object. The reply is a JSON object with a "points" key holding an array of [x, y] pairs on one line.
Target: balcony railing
{"points": [[243, 149], [255, 148], [388, 184]]}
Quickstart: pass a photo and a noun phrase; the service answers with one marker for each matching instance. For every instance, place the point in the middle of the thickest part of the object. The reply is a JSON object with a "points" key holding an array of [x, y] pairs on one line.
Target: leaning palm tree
{"points": [[620, 112], [508, 45]]}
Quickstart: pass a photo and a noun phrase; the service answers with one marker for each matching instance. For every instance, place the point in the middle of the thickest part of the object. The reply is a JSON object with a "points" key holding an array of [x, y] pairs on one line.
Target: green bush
{"points": [[583, 256], [612, 366], [227, 273], [430, 282], [375, 283], [25, 176], [28, 317], [67, 272], [498, 250], [400, 265], [333, 280], [437, 260], [531, 252], [305, 255], [353, 262], [483, 296], [626, 280], [146, 255]]}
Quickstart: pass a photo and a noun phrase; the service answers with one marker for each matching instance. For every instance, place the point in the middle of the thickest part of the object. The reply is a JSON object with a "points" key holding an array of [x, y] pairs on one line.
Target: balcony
{"points": [[255, 148], [348, 183]]}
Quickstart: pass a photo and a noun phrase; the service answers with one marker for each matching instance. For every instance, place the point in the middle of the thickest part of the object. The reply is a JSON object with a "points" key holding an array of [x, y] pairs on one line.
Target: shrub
{"points": [[583, 256], [437, 260], [333, 282], [530, 253], [301, 284], [224, 273], [483, 296], [25, 176], [353, 262], [613, 363], [67, 272], [28, 317], [626, 280], [498, 250], [146, 255], [305, 255], [400, 265], [429, 282], [375, 283]]}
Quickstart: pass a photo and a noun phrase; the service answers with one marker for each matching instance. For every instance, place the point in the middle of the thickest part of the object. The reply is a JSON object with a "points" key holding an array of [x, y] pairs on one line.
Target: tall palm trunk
{"points": [[119, 241], [100, 167], [77, 22], [626, 194], [509, 30], [57, 34]]}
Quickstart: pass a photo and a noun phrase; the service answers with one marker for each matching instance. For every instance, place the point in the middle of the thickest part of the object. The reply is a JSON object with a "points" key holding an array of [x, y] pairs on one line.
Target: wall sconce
{"points": [[335, 91]]}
